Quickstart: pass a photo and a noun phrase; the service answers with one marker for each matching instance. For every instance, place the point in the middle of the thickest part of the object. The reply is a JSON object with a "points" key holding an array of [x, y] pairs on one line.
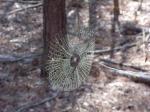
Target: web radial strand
{"points": [[57, 51], [53, 70], [82, 74], [62, 75], [58, 66], [87, 48]]}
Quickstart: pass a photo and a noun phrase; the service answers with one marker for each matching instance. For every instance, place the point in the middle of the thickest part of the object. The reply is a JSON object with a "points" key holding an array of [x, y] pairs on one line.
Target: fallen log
{"points": [[142, 77]]}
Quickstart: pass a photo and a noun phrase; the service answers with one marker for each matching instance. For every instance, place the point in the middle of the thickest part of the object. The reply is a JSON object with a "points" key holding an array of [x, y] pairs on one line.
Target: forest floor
{"points": [[105, 91]]}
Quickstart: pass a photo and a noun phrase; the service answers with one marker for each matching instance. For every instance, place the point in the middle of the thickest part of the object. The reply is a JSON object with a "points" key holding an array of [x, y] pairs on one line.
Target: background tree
{"points": [[115, 24], [92, 13], [116, 12]]}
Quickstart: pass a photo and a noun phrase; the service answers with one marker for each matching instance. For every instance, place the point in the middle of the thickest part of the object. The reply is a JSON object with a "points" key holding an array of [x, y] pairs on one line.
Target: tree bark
{"points": [[115, 25], [54, 21], [116, 11], [92, 13]]}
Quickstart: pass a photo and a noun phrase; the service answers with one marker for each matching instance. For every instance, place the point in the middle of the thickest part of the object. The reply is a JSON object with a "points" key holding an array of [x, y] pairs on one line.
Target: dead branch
{"points": [[112, 62], [140, 5], [114, 49], [11, 59], [28, 1], [35, 104], [142, 77], [7, 1], [25, 8], [7, 8], [28, 58]]}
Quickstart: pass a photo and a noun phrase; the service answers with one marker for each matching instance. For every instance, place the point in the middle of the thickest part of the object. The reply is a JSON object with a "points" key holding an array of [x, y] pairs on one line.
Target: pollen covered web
{"points": [[69, 61]]}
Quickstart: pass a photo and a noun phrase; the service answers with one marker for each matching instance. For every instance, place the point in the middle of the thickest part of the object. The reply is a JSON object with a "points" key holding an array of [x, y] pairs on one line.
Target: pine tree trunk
{"points": [[54, 20], [116, 11], [92, 13], [115, 25]]}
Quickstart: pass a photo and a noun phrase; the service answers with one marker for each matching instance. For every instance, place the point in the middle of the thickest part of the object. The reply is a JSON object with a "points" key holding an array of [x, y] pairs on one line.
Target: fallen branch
{"points": [[28, 7], [35, 104], [108, 61], [12, 59], [114, 49], [29, 1], [7, 1], [28, 58], [142, 77]]}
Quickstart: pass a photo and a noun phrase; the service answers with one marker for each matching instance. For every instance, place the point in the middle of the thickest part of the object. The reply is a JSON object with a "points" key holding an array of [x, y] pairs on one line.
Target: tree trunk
{"points": [[115, 25], [116, 11], [54, 20], [92, 13]]}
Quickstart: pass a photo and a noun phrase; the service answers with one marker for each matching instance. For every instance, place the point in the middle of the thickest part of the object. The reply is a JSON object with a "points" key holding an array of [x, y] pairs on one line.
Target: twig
{"points": [[7, 1], [35, 104], [28, 7], [28, 1], [7, 8], [138, 9], [114, 49], [12, 59], [140, 5], [143, 77], [108, 61]]}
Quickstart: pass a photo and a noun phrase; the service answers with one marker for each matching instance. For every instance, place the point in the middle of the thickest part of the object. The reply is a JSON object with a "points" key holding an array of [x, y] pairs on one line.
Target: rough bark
{"points": [[92, 13], [115, 24], [116, 11], [54, 20]]}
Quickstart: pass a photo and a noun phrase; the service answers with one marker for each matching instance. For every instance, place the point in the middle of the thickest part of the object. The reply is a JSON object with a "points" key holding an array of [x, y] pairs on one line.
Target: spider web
{"points": [[62, 75]]}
